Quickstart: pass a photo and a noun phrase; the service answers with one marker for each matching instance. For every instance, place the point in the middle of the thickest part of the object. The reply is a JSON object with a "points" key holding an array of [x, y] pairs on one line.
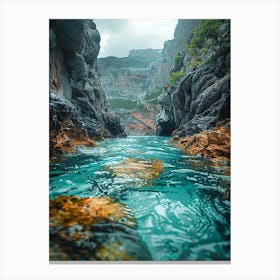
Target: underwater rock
{"points": [[68, 211], [93, 229], [135, 168]]}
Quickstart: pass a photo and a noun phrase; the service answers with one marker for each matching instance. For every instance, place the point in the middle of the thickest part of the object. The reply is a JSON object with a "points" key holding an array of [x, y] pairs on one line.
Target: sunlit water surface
{"points": [[183, 215]]}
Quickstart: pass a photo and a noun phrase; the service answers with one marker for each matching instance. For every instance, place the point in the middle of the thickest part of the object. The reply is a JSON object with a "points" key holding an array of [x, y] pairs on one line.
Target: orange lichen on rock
{"points": [[137, 169], [214, 143], [72, 233], [66, 140], [68, 211]]}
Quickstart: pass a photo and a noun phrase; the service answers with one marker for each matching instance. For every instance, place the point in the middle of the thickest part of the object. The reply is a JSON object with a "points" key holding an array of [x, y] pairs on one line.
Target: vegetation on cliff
{"points": [[205, 41], [175, 76]]}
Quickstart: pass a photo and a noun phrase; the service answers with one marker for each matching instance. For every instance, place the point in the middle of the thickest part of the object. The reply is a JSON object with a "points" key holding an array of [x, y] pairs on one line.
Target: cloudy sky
{"points": [[119, 36]]}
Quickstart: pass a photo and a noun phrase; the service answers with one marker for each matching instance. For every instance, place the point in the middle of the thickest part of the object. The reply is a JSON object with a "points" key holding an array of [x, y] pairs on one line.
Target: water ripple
{"points": [[184, 214]]}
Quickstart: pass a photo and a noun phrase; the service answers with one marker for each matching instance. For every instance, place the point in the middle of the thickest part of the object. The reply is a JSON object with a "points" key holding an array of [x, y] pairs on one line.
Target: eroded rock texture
{"points": [[160, 69], [126, 77], [213, 143], [126, 81], [134, 83], [79, 111], [201, 99]]}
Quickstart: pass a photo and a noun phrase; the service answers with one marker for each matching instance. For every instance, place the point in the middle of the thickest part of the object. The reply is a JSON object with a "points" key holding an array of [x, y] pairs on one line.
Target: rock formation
{"points": [[160, 69], [199, 100], [125, 77], [79, 112], [133, 83], [83, 229], [126, 81]]}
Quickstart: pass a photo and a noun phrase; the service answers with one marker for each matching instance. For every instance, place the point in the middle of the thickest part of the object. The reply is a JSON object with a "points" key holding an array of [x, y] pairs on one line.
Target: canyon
{"points": [[133, 83], [140, 146]]}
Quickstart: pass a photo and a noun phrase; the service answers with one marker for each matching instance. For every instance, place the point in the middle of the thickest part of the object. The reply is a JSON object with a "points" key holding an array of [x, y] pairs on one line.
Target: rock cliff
{"points": [[126, 81], [133, 83], [160, 69], [79, 112], [125, 77], [198, 97]]}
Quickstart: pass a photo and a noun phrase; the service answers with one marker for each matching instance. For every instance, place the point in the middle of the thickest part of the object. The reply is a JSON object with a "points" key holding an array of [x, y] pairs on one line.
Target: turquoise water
{"points": [[183, 215]]}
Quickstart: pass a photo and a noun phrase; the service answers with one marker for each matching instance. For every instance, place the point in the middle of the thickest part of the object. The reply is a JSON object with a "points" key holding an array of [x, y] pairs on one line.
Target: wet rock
{"points": [[85, 212], [140, 171], [93, 229], [212, 144]]}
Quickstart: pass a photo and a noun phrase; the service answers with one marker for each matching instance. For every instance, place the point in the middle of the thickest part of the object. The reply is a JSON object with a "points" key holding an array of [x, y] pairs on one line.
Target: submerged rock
{"points": [[87, 211], [93, 229], [135, 168]]}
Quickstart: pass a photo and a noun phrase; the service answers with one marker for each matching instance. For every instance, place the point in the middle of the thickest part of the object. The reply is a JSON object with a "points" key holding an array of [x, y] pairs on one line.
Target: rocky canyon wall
{"points": [[133, 83], [126, 81], [195, 108], [79, 112], [160, 69]]}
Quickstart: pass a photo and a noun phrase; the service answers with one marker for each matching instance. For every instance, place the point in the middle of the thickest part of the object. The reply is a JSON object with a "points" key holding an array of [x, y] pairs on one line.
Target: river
{"points": [[183, 214]]}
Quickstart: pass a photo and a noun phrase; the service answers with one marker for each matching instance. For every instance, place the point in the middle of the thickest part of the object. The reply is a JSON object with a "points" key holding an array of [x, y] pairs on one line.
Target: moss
{"points": [[152, 97], [177, 58], [123, 103], [175, 76]]}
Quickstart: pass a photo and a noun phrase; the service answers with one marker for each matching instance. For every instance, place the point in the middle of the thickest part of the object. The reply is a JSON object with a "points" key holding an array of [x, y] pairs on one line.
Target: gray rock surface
{"points": [[126, 77], [160, 69], [125, 81], [201, 99], [75, 88]]}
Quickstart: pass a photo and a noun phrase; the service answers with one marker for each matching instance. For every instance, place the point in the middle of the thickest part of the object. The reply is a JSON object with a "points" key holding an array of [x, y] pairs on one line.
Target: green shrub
{"points": [[152, 97], [177, 58], [204, 42], [175, 76], [123, 103]]}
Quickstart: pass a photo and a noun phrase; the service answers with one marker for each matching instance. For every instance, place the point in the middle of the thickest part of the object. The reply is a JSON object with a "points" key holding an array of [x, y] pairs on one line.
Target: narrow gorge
{"points": [[79, 112], [139, 144]]}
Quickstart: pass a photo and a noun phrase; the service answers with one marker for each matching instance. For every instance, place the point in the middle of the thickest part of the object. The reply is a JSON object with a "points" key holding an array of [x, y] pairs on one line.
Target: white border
{"points": [[255, 138]]}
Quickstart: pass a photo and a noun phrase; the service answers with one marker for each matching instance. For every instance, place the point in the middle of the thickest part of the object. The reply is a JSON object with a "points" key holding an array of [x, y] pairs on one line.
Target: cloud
{"points": [[119, 36]]}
